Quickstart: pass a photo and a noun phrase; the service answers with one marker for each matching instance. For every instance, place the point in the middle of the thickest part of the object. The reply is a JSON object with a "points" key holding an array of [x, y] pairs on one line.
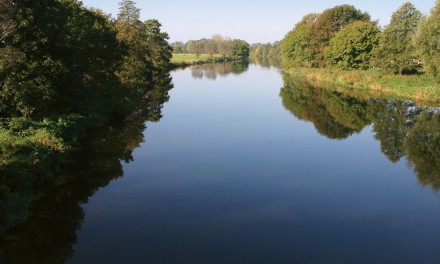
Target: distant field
{"points": [[192, 57]]}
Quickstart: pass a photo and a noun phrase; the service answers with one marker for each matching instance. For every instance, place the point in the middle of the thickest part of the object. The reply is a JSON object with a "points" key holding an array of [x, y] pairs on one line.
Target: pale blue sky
{"points": [[253, 21]]}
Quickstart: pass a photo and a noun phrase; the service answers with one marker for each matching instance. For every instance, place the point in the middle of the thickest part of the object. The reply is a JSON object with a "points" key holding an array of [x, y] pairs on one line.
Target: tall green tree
{"points": [[295, 47], [397, 50], [240, 49], [128, 14], [352, 47], [60, 59], [428, 41], [7, 23], [328, 24], [159, 52], [135, 66]]}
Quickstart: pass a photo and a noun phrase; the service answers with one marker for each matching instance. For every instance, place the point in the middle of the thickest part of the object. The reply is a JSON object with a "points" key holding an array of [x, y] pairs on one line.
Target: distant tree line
{"points": [[217, 44], [345, 37], [268, 50]]}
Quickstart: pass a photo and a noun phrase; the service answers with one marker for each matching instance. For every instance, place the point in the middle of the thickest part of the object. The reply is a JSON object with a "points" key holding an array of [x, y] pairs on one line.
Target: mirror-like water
{"points": [[246, 166]]}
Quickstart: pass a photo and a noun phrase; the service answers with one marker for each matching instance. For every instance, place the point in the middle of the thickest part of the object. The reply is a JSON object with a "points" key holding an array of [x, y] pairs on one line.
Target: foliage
{"points": [[218, 45], [397, 50], [66, 69], [409, 44], [159, 52], [7, 23], [352, 47], [268, 50], [240, 49], [60, 59], [36, 180], [295, 47], [328, 24], [428, 42], [420, 88], [178, 47], [148, 49]]}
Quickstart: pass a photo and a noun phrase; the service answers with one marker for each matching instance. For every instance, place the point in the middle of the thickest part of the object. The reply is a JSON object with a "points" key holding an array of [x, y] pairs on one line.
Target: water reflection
{"points": [[46, 232], [267, 62], [403, 129], [212, 71]]}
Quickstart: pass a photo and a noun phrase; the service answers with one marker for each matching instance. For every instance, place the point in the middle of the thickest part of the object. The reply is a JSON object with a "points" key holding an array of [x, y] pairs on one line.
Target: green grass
{"points": [[189, 58], [423, 89]]}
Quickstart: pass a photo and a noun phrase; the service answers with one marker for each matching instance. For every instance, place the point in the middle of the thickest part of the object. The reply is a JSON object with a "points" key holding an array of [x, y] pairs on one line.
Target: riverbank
{"points": [[422, 89], [185, 60]]}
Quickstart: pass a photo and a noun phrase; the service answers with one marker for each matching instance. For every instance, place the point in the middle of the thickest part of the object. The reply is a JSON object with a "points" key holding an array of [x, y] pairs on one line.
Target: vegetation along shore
{"points": [[343, 46]]}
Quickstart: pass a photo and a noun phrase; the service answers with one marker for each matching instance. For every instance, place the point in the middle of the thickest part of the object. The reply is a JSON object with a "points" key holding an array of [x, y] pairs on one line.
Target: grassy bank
{"points": [[422, 89], [193, 57], [184, 60]]}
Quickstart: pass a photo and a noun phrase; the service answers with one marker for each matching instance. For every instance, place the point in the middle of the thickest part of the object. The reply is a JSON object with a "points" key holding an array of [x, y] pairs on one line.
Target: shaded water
{"points": [[246, 166]]}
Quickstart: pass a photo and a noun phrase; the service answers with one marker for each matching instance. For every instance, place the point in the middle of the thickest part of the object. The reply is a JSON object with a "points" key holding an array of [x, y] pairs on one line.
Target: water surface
{"points": [[246, 166]]}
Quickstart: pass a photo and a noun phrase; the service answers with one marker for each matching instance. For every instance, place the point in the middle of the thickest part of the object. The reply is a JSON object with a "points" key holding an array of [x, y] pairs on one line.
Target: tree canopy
{"points": [[397, 50], [428, 42], [63, 58], [328, 24], [345, 37], [295, 47], [218, 45], [352, 47]]}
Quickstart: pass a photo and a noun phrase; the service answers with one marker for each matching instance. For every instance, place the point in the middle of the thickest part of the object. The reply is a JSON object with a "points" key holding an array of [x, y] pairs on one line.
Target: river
{"points": [[245, 165]]}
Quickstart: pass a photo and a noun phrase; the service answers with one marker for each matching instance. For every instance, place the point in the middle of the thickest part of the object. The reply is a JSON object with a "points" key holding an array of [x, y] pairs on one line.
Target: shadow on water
{"points": [[47, 233], [403, 129]]}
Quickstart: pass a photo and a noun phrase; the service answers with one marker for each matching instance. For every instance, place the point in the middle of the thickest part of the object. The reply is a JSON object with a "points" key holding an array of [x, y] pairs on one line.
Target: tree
{"points": [[327, 25], [7, 23], [135, 67], [352, 47], [295, 47], [397, 50], [60, 59], [128, 14], [240, 49], [195, 47], [225, 47], [210, 47], [428, 42], [159, 52], [177, 47]]}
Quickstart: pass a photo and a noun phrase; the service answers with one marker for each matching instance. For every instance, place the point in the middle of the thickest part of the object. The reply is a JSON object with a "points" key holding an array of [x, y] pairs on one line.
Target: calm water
{"points": [[245, 167]]}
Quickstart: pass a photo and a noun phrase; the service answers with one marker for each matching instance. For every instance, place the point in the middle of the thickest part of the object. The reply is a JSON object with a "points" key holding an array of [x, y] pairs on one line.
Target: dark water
{"points": [[246, 166]]}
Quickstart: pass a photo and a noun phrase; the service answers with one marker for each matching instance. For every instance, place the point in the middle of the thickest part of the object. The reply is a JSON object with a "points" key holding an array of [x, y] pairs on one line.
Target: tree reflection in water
{"points": [[267, 62], [212, 71], [46, 232], [403, 129]]}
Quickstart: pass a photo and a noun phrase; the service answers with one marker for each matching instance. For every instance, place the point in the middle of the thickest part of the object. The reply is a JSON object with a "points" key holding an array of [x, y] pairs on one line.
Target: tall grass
{"points": [[422, 89]]}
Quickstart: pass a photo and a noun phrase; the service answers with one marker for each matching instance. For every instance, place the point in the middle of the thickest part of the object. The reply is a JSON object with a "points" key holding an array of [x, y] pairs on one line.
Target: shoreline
{"points": [[421, 89], [187, 63]]}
